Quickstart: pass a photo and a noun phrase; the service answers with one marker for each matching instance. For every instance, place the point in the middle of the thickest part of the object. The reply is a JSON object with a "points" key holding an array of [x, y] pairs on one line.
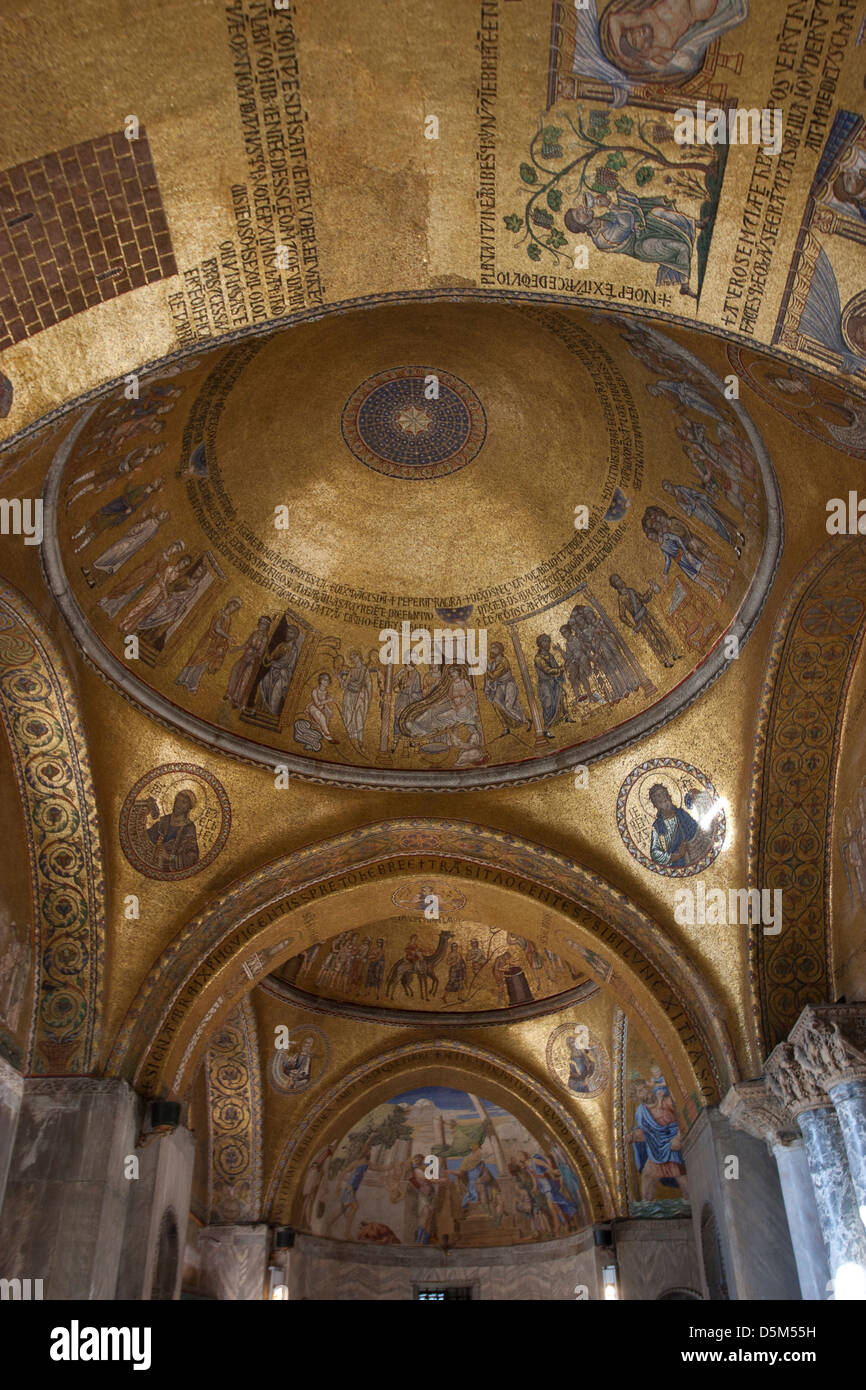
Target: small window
{"points": [[165, 1273], [447, 1294]]}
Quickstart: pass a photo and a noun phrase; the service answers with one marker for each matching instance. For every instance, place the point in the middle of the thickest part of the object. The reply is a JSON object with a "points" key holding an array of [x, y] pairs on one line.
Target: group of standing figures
{"points": [[595, 661], [349, 964], [537, 1196]]}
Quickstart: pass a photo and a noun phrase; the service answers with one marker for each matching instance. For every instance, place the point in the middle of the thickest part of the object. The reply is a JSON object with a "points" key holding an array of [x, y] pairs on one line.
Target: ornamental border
{"points": [[47, 1049], [442, 468]]}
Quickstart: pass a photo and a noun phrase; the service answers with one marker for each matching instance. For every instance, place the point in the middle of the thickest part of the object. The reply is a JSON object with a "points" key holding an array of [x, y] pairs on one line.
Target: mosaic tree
{"points": [[604, 154]]}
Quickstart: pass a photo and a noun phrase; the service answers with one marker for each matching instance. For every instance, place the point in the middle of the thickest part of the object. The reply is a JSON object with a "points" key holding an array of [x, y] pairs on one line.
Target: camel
{"points": [[423, 967]]}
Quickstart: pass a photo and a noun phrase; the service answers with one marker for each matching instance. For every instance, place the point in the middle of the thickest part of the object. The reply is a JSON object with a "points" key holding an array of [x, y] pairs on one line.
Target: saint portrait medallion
{"points": [[434, 897], [174, 822], [576, 1059], [670, 817], [301, 1062]]}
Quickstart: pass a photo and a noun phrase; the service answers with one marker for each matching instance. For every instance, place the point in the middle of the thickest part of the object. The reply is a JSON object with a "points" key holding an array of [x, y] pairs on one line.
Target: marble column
{"points": [[733, 1174], [841, 1227], [234, 1261], [11, 1091], [158, 1197], [64, 1215], [753, 1106], [831, 1046]]}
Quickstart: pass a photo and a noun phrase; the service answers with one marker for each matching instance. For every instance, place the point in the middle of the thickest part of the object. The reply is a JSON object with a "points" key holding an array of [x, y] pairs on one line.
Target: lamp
{"points": [[608, 1277], [163, 1117], [277, 1290]]}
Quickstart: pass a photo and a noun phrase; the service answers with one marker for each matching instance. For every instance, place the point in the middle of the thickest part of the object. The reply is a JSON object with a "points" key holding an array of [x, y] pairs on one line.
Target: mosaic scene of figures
{"points": [[438, 1166], [677, 545]]}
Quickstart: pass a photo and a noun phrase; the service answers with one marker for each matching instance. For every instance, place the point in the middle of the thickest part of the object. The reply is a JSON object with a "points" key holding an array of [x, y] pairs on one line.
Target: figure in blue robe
{"points": [[550, 680], [649, 229], [673, 828]]}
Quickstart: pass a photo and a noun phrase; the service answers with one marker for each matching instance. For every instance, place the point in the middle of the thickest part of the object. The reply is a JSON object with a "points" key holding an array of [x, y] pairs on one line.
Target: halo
{"points": [[199, 801], [652, 779], [855, 308]]}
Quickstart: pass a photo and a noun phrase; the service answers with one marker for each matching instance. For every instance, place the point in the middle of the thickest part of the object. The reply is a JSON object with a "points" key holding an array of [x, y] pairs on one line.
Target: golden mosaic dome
{"points": [[430, 545]]}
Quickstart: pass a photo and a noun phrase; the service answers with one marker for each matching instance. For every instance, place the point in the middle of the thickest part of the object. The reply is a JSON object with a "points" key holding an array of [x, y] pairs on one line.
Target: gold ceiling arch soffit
{"points": [[436, 294], [233, 1087], [48, 744], [812, 655], [437, 1060], [420, 1018], [220, 954]]}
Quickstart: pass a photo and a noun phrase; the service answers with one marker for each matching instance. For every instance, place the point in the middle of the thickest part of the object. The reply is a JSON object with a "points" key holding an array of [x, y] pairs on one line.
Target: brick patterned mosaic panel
{"points": [[77, 227]]}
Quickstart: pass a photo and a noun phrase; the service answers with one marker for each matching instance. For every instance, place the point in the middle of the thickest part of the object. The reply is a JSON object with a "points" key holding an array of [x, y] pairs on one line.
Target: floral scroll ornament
{"points": [[49, 755]]}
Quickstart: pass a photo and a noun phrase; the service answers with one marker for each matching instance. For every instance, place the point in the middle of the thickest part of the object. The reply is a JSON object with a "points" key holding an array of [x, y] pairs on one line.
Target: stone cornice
{"points": [[75, 1085], [413, 1018]]}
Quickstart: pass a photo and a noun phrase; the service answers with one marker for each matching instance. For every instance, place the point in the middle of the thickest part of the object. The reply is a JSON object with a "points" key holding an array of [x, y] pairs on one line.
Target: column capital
{"points": [[830, 1041], [754, 1106], [795, 1087]]}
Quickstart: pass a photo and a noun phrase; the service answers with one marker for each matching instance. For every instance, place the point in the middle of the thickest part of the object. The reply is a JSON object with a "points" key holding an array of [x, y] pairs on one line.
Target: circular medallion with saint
{"points": [[414, 422], [433, 897], [670, 817], [174, 822], [301, 1062], [576, 1058]]}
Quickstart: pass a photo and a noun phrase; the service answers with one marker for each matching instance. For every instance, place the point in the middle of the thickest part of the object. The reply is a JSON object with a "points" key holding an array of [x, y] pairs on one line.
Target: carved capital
{"points": [[795, 1087], [753, 1106], [830, 1041]]}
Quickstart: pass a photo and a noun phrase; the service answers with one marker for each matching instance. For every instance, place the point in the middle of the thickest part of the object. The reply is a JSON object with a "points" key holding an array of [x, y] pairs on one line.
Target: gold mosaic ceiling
{"points": [[259, 546], [400, 502]]}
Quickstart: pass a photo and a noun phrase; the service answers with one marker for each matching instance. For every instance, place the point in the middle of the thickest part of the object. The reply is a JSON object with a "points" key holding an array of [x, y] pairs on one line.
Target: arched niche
{"points": [[277, 911], [813, 654], [436, 1062]]}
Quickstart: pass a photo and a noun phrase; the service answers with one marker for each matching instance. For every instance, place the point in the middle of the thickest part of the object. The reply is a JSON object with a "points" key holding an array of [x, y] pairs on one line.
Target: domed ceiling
{"points": [[418, 546]]}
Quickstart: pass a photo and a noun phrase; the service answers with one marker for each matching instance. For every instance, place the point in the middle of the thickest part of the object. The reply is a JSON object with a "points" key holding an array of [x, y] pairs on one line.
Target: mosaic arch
{"points": [[272, 914], [406, 965], [48, 744], [235, 1119], [436, 1062], [251, 595], [813, 650]]}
